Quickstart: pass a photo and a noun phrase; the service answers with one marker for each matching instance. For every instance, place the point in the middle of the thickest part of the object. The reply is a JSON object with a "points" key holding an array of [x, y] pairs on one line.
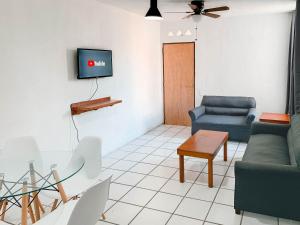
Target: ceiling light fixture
{"points": [[153, 13]]}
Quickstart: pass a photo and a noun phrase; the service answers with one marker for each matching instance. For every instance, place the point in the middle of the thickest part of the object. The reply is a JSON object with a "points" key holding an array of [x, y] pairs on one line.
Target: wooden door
{"points": [[179, 82]]}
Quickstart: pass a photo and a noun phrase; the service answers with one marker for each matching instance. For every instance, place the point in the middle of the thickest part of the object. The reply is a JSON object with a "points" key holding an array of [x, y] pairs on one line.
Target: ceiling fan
{"points": [[198, 9]]}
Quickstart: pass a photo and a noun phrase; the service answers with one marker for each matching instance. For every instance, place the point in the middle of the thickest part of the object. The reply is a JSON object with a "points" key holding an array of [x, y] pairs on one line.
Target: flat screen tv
{"points": [[93, 63]]}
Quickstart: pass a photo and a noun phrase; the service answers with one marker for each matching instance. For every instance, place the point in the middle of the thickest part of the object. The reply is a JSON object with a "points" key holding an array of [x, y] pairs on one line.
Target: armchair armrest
{"points": [[251, 115], [197, 112], [269, 128]]}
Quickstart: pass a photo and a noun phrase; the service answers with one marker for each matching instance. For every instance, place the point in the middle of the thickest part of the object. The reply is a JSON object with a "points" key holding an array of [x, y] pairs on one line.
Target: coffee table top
{"points": [[204, 144]]}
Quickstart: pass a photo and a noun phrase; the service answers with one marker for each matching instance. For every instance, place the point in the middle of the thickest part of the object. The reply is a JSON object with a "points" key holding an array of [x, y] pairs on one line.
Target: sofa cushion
{"points": [[295, 137], [267, 148], [222, 119], [229, 101], [226, 111]]}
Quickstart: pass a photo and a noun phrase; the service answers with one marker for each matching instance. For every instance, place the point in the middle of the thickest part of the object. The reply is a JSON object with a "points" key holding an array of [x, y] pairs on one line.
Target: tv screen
{"points": [[94, 63]]}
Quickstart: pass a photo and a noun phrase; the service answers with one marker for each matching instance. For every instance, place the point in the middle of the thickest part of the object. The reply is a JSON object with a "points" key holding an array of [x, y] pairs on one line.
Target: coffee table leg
{"points": [[181, 168], [210, 173], [225, 151]]}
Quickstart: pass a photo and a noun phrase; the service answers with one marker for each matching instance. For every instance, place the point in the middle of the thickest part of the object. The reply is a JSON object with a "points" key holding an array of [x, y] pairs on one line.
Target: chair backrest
{"points": [[19, 152], [90, 206], [228, 105], [89, 150]]}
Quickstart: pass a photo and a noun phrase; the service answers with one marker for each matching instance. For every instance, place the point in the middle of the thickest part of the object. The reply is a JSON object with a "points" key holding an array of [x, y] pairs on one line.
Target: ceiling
{"points": [[237, 7]]}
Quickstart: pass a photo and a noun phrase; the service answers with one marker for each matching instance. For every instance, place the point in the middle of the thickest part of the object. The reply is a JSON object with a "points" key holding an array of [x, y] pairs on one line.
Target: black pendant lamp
{"points": [[153, 13]]}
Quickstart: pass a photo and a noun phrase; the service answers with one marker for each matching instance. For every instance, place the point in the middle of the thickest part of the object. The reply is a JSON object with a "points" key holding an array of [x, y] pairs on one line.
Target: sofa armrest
{"points": [[270, 189], [269, 128], [251, 115], [197, 112]]}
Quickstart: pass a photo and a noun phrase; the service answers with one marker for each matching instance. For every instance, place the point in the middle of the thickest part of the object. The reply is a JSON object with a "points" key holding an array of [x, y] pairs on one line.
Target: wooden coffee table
{"points": [[204, 144]]}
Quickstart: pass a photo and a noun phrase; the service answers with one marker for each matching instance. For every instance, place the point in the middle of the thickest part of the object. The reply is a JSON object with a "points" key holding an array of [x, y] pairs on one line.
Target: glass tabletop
{"points": [[19, 176]]}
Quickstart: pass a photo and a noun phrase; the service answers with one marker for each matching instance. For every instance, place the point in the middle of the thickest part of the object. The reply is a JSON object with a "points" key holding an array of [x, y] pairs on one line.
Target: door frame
{"points": [[176, 43]]}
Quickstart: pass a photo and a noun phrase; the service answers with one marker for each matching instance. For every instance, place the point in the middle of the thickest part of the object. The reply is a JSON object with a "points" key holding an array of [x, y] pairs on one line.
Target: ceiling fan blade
{"points": [[178, 12], [188, 16], [215, 16], [222, 8], [193, 7]]}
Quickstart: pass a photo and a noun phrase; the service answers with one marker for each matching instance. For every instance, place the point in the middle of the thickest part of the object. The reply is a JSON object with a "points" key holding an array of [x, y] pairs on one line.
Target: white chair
{"points": [[88, 152], [16, 156], [85, 211]]}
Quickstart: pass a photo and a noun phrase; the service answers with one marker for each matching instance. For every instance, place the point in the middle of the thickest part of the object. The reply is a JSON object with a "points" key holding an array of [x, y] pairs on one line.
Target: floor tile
{"points": [[129, 178], [107, 162], [194, 165], [180, 220], [228, 183], [177, 140], [217, 170], [207, 223], [152, 183], [139, 142], [171, 162], [258, 219], [225, 196], [162, 138], [123, 165], [288, 222], [145, 149], [230, 172], [129, 148], [170, 145], [147, 137], [122, 213], [151, 217], [176, 188], [162, 171], [118, 154], [154, 143], [163, 152], [164, 202], [138, 196], [103, 223], [203, 179], [153, 159], [143, 168], [202, 192], [189, 176], [193, 208], [136, 157], [117, 191], [223, 214], [109, 172]]}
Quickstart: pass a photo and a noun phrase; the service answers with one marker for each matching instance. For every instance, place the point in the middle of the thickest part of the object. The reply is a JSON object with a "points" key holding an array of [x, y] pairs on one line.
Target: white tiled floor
{"points": [[146, 190]]}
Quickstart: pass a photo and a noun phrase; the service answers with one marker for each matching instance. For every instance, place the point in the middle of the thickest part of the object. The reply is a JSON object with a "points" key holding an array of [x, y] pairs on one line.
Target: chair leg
{"points": [[30, 211], [237, 211], [54, 205], [41, 206], [5, 203], [103, 216]]}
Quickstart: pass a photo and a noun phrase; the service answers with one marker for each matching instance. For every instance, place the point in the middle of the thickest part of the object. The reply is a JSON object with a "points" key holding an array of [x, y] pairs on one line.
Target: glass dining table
{"points": [[22, 182]]}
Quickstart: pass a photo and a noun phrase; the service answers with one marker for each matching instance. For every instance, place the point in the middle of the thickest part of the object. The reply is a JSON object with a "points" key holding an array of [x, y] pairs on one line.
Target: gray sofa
{"points": [[232, 114], [267, 180]]}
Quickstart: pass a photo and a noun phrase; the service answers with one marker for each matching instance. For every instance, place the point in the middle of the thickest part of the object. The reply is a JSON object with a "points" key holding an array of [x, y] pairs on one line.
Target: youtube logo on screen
{"points": [[93, 63]]}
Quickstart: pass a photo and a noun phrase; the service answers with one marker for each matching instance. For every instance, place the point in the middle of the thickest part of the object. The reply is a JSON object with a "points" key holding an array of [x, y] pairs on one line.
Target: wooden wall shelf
{"points": [[86, 106]]}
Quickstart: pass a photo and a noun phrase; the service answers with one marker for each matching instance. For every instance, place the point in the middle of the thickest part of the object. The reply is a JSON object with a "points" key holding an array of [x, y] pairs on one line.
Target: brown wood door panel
{"points": [[179, 82]]}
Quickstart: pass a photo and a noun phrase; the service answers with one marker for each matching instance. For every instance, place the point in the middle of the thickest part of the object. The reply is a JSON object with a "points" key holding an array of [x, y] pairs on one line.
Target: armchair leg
{"points": [[237, 211]]}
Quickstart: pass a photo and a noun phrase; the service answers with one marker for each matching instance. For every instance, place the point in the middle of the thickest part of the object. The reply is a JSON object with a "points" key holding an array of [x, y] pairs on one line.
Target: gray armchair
{"points": [[232, 114]]}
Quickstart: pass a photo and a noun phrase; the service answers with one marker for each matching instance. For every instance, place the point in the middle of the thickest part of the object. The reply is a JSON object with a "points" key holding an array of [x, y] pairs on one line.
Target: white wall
{"points": [[37, 82], [240, 56]]}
